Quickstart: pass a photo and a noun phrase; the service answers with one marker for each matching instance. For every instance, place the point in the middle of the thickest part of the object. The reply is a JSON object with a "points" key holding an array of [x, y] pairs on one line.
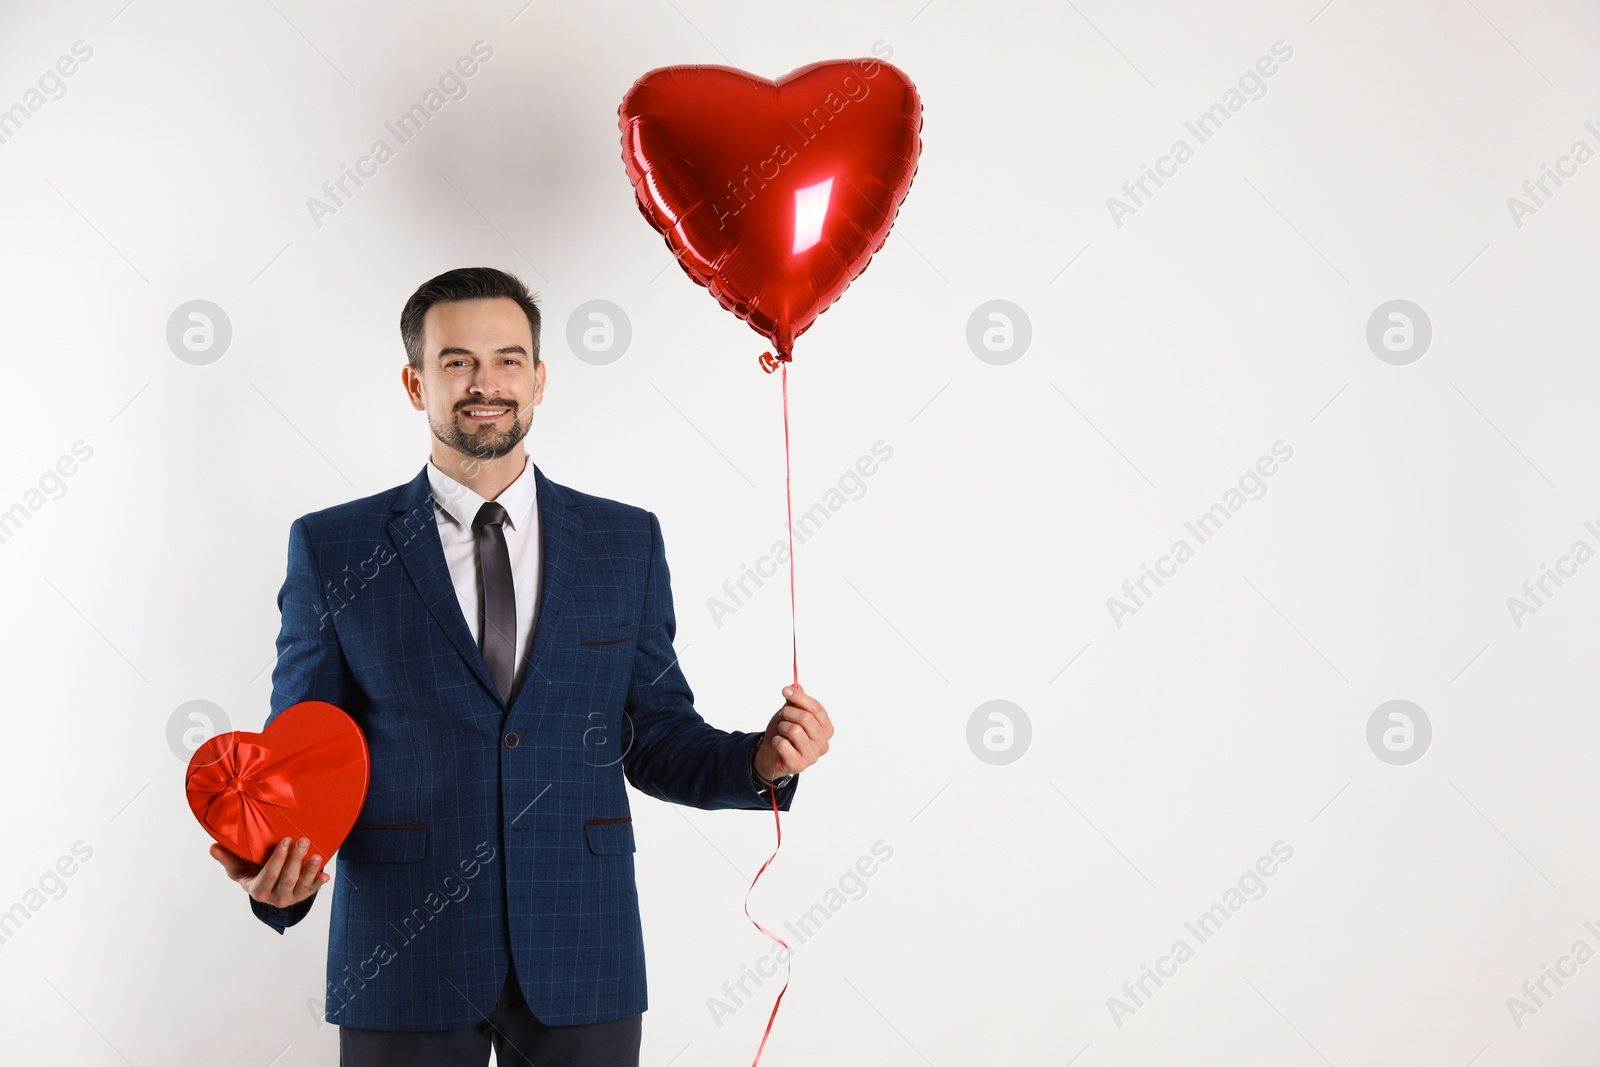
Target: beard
{"points": [[487, 443]]}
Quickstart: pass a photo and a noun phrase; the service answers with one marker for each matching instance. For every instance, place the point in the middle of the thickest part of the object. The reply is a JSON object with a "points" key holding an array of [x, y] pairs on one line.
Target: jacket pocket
{"points": [[603, 637], [609, 837], [385, 843]]}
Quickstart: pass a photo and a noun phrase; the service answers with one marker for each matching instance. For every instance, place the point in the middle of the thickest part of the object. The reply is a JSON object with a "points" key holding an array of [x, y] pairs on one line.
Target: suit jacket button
{"points": [[511, 739]]}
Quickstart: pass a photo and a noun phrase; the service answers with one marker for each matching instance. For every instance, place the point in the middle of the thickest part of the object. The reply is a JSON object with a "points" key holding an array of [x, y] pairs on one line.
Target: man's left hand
{"points": [[796, 737]]}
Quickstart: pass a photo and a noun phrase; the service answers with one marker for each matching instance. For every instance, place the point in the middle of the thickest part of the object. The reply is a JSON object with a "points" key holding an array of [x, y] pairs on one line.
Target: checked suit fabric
{"points": [[495, 830]]}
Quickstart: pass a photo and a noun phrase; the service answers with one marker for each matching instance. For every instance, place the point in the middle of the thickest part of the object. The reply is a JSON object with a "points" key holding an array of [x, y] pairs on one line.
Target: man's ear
{"points": [[413, 386]]}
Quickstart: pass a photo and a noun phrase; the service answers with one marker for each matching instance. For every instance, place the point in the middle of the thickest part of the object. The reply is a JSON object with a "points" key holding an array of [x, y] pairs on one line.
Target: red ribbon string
{"points": [[788, 503], [769, 362], [788, 966]]}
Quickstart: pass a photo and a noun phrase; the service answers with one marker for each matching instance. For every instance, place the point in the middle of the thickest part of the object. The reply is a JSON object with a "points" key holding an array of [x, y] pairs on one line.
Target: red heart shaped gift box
{"points": [[305, 775]]}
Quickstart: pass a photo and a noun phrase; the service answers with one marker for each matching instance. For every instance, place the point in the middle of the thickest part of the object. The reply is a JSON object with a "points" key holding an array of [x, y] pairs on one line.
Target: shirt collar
{"points": [[462, 504]]}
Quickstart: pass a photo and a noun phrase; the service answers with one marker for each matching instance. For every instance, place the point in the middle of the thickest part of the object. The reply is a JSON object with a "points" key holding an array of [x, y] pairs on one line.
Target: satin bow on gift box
{"points": [[305, 775]]}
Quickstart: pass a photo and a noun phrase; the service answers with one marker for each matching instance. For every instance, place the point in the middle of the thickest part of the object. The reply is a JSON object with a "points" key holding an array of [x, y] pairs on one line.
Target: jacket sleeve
{"points": [[281, 918], [310, 666], [676, 755]]}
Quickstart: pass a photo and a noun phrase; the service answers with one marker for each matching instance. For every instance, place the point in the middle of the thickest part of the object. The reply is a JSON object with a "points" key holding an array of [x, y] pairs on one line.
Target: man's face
{"points": [[478, 383]]}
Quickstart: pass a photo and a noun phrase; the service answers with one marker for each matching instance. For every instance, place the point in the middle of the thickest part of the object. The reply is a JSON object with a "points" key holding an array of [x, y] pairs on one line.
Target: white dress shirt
{"points": [[455, 506]]}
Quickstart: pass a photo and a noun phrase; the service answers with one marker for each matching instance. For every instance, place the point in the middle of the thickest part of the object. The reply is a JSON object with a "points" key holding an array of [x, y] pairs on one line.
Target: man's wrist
{"points": [[762, 783]]}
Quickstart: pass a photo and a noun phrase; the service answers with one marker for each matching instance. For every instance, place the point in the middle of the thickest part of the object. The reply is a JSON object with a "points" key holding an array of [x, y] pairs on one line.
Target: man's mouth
{"points": [[484, 414]]}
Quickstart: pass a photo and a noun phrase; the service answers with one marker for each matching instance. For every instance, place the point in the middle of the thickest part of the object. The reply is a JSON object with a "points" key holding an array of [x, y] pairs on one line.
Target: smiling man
{"points": [[505, 643]]}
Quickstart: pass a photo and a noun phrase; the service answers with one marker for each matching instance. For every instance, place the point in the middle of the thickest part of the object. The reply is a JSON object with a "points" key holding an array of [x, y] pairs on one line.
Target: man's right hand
{"points": [[287, 878]]}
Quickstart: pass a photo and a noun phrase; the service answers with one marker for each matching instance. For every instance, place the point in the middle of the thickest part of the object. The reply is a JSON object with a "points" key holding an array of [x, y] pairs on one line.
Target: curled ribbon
{"points": [[245, 781]]}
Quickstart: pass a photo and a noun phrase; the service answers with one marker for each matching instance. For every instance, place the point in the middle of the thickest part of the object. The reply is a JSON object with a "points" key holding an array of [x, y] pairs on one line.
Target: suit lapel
{"points": [[415, 534], [560, 528]]}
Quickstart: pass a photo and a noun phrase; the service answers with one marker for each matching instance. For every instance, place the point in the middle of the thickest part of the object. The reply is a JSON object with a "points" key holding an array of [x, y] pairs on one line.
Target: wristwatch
{"points": [[754, 774]]}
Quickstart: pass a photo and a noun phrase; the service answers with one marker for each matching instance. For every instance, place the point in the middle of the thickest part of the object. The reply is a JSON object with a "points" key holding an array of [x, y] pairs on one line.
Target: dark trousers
{"points": [[519, 1040]]}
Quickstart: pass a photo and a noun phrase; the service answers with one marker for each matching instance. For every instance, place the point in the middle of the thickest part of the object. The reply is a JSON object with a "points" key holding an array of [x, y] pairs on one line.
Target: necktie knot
{"points": [[491, 514]]}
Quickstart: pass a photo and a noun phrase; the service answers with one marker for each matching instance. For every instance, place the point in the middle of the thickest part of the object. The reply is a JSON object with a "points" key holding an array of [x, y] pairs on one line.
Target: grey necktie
{"points": [[497, 608]]}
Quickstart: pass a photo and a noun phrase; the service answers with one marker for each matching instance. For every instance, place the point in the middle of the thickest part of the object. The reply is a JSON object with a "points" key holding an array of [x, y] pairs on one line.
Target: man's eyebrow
{"points": [[443, 352]]}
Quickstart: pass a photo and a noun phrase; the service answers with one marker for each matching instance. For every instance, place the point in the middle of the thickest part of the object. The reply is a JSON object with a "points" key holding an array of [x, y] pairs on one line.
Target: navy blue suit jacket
{"points": [[495, 831]]}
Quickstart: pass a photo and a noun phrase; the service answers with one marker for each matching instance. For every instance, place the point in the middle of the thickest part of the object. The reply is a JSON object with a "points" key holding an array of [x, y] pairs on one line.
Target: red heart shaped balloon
{"points": [[773, 195], [305, 775]]}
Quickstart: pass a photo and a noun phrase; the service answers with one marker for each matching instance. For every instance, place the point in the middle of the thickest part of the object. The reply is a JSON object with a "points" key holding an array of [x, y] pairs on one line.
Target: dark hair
{"points": [[464, 283]]}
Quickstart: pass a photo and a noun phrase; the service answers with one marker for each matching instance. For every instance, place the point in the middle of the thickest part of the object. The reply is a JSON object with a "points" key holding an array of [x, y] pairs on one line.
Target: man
{"points": [[505, 644]]}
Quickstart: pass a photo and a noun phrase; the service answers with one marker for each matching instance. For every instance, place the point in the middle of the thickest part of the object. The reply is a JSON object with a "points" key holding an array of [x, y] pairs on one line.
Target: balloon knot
{"points": [[769, 362]]}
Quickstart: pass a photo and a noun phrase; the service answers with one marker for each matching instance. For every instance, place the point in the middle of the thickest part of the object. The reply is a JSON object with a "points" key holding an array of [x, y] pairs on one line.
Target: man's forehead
{"points": [[490, 323]]}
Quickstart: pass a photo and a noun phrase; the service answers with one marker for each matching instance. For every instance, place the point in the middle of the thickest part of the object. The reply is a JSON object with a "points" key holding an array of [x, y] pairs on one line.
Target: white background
{"points": [[1168, 353]]}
